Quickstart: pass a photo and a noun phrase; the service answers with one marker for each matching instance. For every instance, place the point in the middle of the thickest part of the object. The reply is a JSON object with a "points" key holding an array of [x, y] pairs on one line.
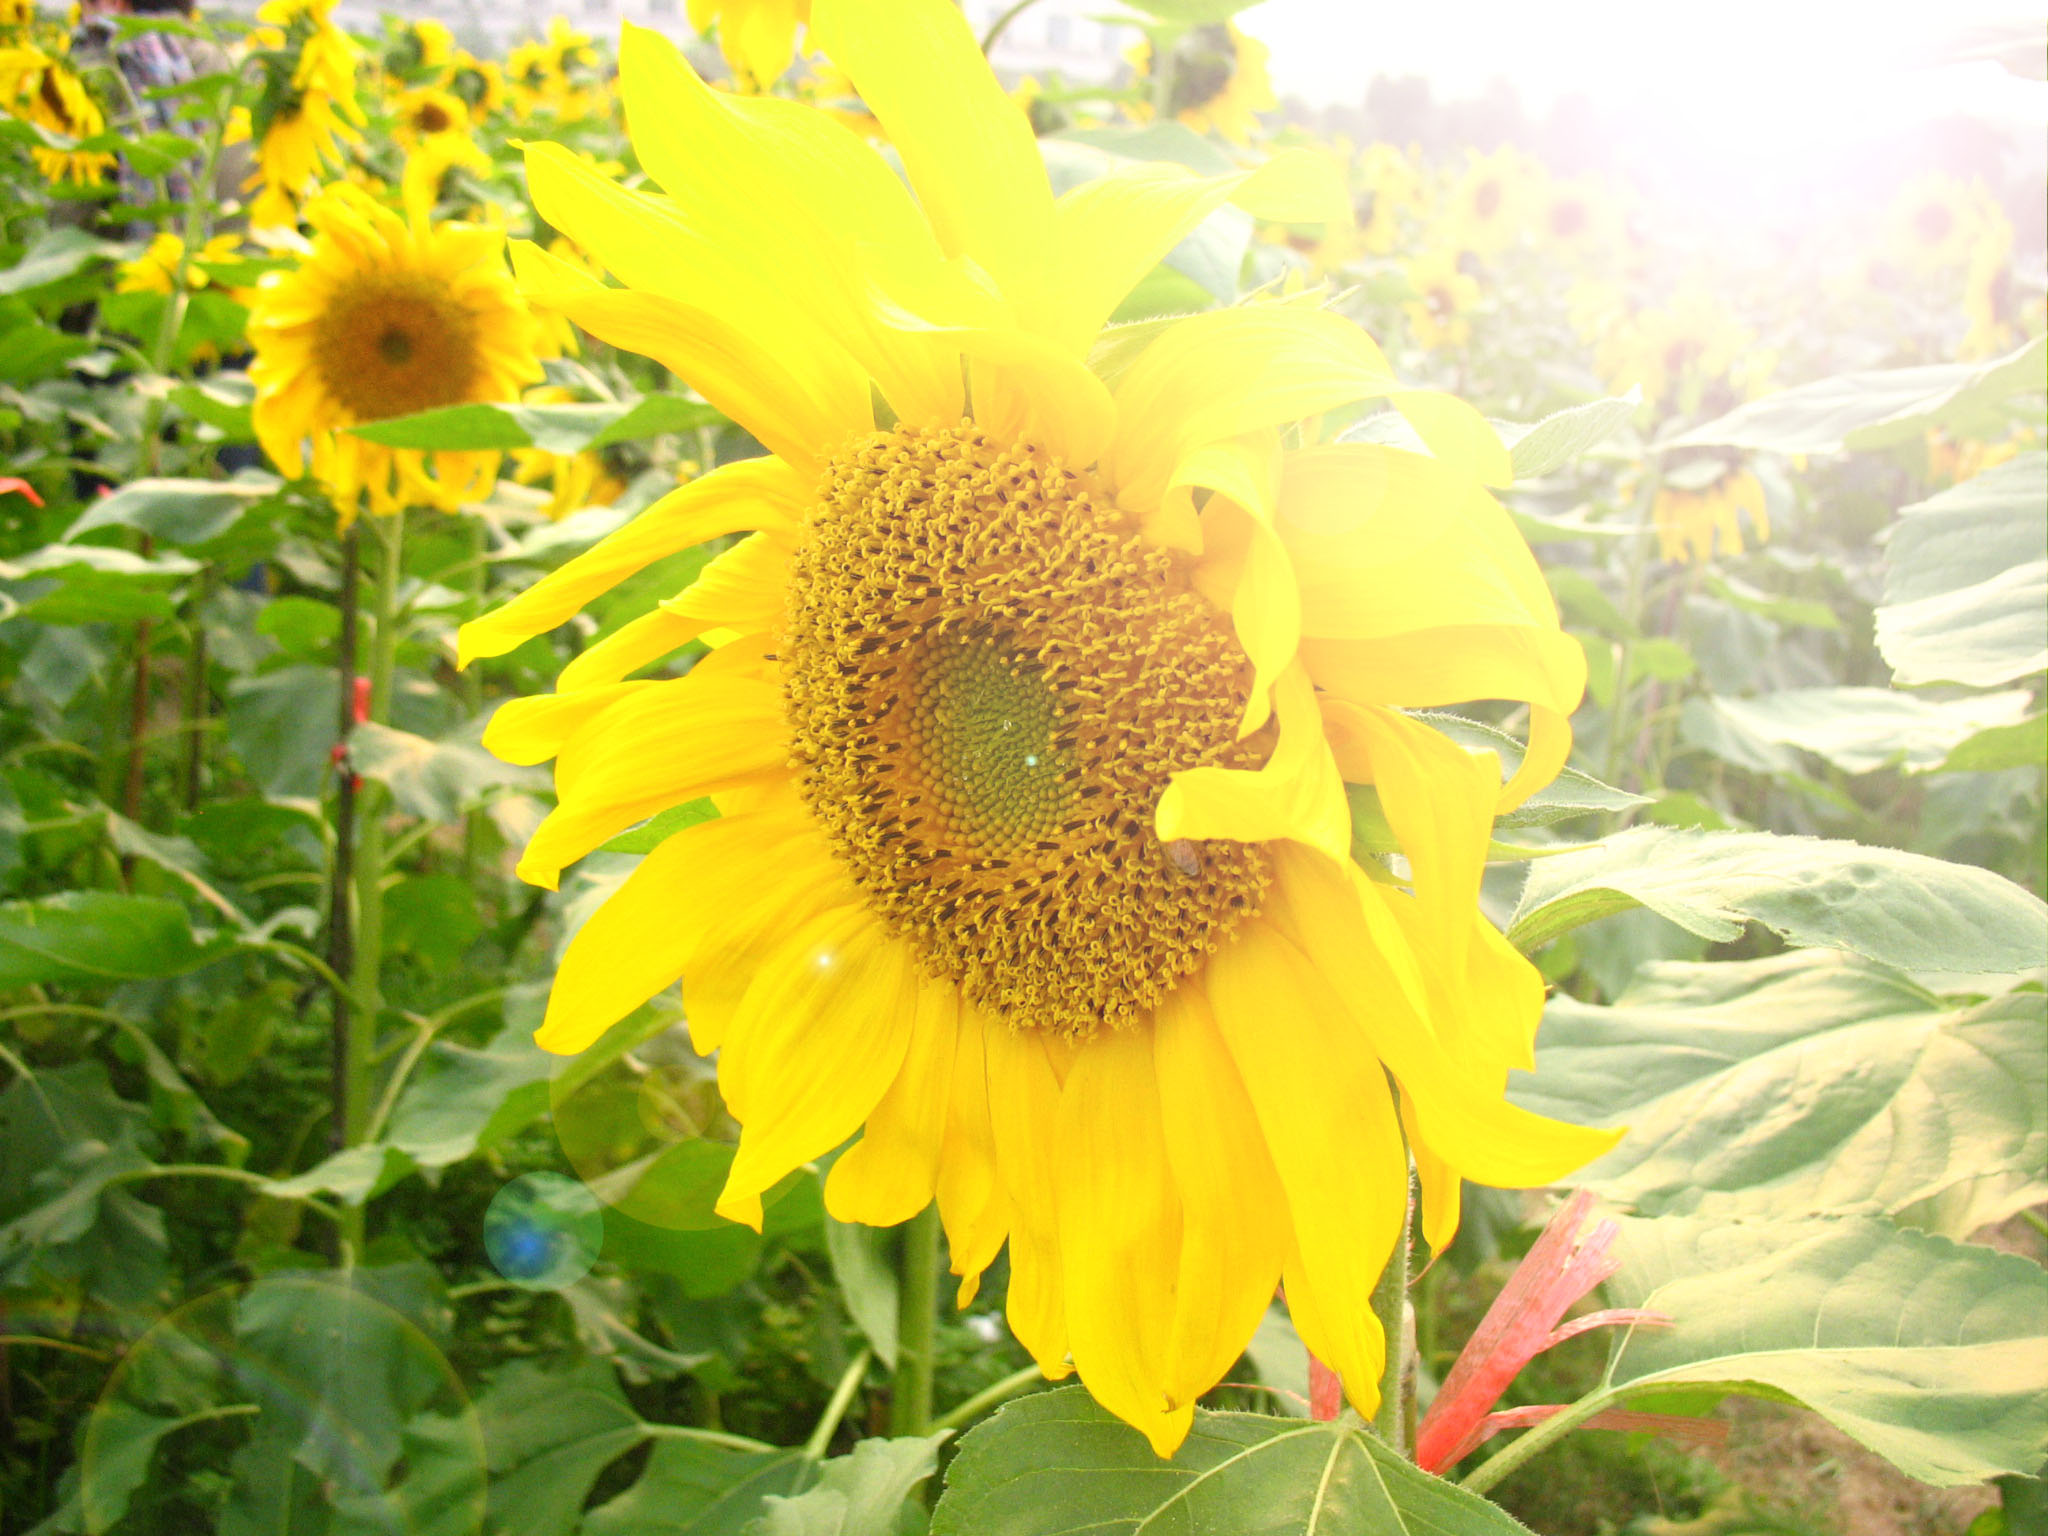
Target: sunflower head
{"points": [[1440, 315], [1030, 702], [1216, 80], [383, 319], [1699, 508]]}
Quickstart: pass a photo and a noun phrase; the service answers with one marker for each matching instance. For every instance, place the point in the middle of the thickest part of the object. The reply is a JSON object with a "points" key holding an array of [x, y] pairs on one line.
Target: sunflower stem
{"points": [[367, 959], [1390, 1306], [910, 1395]]}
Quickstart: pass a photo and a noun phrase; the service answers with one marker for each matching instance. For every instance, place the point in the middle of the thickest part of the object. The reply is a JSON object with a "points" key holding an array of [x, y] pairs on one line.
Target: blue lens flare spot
{"points": [[543, 1231]]}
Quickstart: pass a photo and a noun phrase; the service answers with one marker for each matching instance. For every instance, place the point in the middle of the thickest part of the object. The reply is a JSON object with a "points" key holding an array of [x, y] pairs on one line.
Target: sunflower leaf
{"points": [[1902, 909], [1055, 1464], [484, 426], [1560, 437]]}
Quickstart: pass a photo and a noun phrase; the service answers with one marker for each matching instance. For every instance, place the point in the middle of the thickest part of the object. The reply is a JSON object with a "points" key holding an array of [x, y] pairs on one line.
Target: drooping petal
{"points": [[972, 1201], [753, 493], [1234, 1229], [1328, 1118], [1462, 1115], [819, 1037], [653, 748], [1023, 1103], [1119, 1233], [1297, 794], [889, 1175], [966, 147]]}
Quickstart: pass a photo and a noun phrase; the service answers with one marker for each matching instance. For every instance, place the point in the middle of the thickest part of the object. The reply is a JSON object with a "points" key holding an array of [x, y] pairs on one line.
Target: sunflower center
{"points": [[433, 118], [989, 680], [1486, 200], [390, 344], [983, 725]]}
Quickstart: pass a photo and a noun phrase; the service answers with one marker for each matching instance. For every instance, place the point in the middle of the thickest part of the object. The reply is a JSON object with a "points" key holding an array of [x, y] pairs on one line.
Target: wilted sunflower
{"points": [[307, 110], [383, 318], [1029, 729], [1698, 511]]}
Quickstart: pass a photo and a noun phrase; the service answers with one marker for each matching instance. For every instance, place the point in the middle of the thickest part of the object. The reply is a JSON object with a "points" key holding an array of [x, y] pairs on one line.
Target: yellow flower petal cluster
{"points": [[757, 37], [574, 480], [1492, 200], [1033, 700], [156, 268], [383, 318], [1691, 521], [1677, 350]]}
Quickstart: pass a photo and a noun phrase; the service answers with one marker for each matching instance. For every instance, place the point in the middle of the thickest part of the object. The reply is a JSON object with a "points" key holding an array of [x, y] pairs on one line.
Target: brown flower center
{"points": [[989, 680], [390, 344]]}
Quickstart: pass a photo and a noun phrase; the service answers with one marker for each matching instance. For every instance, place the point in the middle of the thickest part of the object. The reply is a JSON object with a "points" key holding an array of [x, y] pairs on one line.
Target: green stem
{"points": [[1001, 24], [707, 1436], [988, 1397], [222, 1171], [1537, 1440], [1638, 569], [366, 959], [910, 1398], [835, 1410], [196, 695], [1390, 1305]]}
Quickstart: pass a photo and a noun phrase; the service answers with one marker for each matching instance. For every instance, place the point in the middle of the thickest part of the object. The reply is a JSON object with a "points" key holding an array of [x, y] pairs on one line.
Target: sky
{"points": [[1778, 95]]}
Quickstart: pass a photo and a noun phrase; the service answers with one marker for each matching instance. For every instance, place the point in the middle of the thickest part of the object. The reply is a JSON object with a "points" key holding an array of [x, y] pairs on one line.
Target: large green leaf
{"points": [[1856, 729], [1872, 409], [1966, 583], [96, 937], [434, 780], [1562, 436], [553, 428], [1930, 1352], [177, 511], [56, 254], [694, 1489], [1902, 909], [1809, 1082], [869, 1493], [863, 1262], [1055, 1464], [548, 1434]]}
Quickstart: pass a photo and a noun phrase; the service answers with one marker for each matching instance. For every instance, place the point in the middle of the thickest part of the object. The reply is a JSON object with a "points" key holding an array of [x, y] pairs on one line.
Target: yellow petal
{"points": [[532, 729], [1439, 800], [888, 1176], [1120, 1234], [797, 404], [753, 493], [633, 645], [1023, 1103], [1233, 1210], [1297, 794], [650, 749], [795, 199], [1228, 372], [1112, 231], [1328, 1118], [972, 1201], [1458, 1104], [966, 148], [819, 1037]]}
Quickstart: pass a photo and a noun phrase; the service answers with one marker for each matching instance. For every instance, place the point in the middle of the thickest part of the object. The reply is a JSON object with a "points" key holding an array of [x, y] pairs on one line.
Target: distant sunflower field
{"points": [[765, 784]]}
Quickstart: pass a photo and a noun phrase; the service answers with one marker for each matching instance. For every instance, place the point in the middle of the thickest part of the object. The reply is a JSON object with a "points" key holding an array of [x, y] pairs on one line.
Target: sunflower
{"points": [[1219, 82], [383, 318], [557, 74], [422, 181], [757, 37], [1440, 315], [1702, 504], [1489, 204], [1680, 350], [1034, 694], [39, 86], [1579, 218], [1934, 221], [427, 112]]}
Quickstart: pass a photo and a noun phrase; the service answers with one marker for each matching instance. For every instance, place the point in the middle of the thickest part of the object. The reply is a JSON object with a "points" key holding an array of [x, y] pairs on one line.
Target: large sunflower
{"points": [[383, 318], [1038, 688]]}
